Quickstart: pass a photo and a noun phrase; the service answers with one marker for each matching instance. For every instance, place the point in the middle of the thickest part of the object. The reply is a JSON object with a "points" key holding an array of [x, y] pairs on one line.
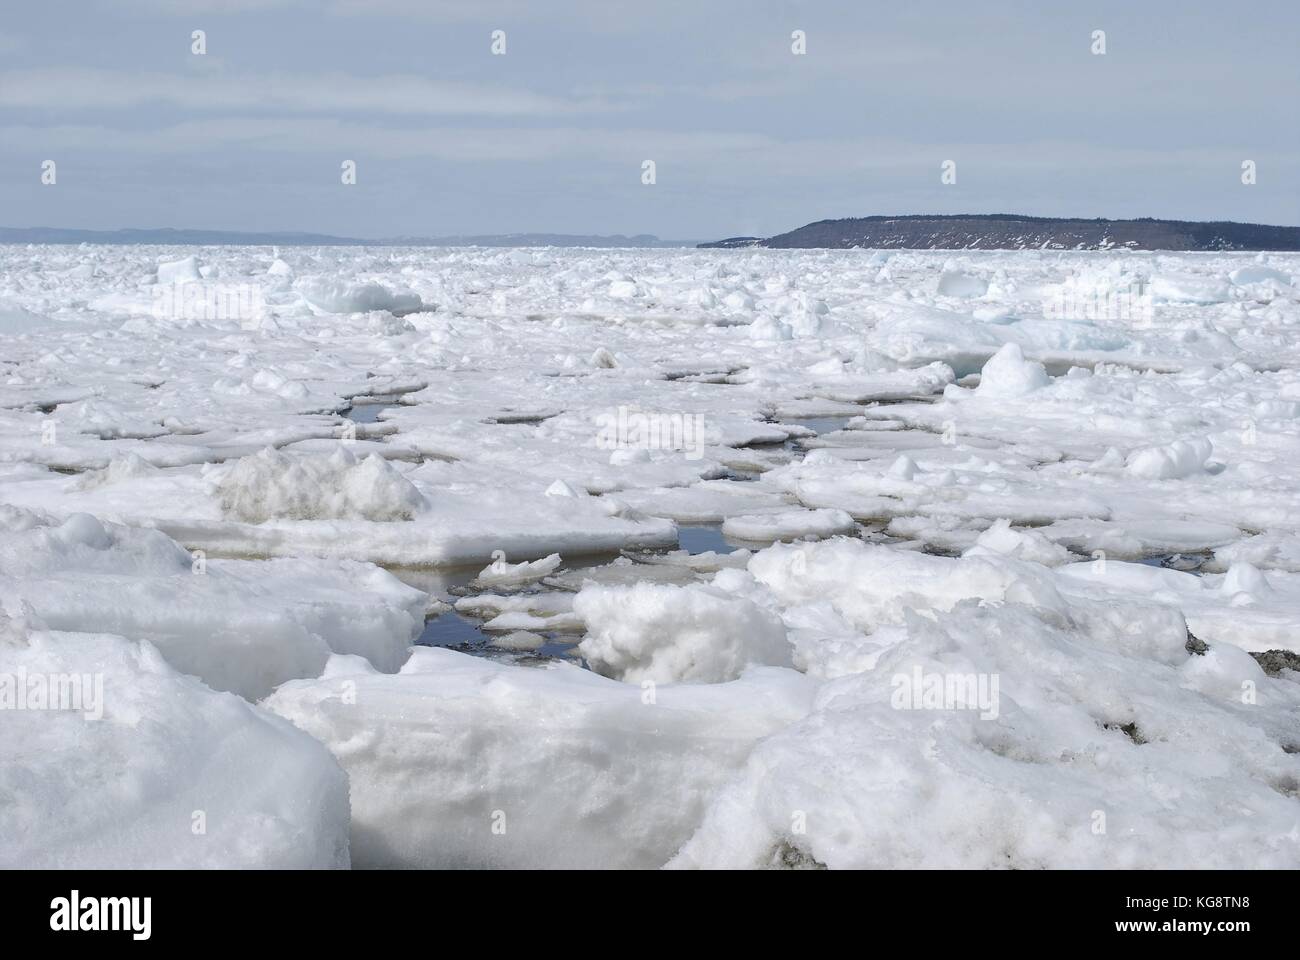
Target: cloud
{"points": [[188, 7], [591, 13], [726, 156], [75, 88], [588, 15], [343, 138]]}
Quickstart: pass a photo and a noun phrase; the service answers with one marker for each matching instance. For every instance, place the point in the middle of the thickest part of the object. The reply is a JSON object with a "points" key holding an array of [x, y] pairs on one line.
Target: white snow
{"points": [[1009, 374], [1040, 468], [184, 270], [1182, 458], [954, 283], [238, 625], [461, 762], [788, 525], [273, 485], [1022, 544], [163, 773], [664, 633], [499, 572], [334, 296], [1052, 780]]}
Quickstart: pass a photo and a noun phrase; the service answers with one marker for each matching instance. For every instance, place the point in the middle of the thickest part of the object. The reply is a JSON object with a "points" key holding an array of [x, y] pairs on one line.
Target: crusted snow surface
{"points": [[274, 485], [461, 762], [150, 768], [662, 633], [239, 625], [742, 558], [1105, 743]]}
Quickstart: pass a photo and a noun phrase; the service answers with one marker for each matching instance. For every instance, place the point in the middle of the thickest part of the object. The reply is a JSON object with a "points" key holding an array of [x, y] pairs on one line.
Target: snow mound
{"points": [[788, 525], [128, 466], [1172, 461], [1185, 288], [337, 296], [1244, 276], [185, 270], [664, 633], [954, 283], [238, 625], [145, 768], [1009, 374], [463, 762], [277, 486], [873, 585], [1002, 539], [1022, 738]]}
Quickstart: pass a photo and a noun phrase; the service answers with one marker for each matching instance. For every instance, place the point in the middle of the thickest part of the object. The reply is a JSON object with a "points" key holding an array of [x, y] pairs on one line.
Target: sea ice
{"points": [[150, 769], [239, 625], [1068, 475], [665, 633], [458, 761]]}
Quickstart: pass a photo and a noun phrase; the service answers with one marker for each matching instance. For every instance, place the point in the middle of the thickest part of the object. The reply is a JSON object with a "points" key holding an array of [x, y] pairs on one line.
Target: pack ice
{"points": [[318, 557]]}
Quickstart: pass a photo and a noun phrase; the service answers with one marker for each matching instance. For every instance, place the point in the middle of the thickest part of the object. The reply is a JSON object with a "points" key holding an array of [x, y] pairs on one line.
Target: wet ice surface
{"points": [[699, 539], [653, 549], [368, 410], [450, 629], [820, 425], [1177, 561]]}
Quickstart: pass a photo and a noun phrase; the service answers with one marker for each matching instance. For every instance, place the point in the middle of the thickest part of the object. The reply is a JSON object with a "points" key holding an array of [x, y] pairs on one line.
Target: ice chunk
{"points": [[954, 283], [152, 769], [665, 633], [463, 762], [1172, 461], [185, 270], [1009, 374], [1007, 737], [501, 573], [239, 625], [788, 525], [561, 489], [1187, 288], [274, 485], [872, 585], [1003, 539], [1258, 273], [338, 296]]}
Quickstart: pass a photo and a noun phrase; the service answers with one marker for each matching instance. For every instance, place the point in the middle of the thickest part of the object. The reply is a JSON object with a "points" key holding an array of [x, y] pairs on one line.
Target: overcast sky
{"points": [[747, 137]]}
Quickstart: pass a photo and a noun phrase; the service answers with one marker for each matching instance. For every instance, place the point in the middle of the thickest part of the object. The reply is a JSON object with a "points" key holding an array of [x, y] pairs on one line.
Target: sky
{"points": [[747, 137]]}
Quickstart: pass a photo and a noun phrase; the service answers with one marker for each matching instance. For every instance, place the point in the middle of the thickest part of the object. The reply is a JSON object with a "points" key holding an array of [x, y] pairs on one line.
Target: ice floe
{"points": [[747, 557], [111, 759], [461, 762]]}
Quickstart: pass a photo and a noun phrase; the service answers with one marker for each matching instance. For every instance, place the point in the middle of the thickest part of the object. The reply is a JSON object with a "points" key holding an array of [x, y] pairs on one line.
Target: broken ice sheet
{"points": [[350, 513]]}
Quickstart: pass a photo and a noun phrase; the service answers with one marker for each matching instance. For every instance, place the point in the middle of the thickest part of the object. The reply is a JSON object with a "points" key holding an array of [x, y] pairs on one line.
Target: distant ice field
{"points": [[689, 558]]}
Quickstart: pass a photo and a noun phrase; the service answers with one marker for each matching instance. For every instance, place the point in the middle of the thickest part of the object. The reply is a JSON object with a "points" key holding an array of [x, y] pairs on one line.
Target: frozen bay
{"points": [[701, 528]]}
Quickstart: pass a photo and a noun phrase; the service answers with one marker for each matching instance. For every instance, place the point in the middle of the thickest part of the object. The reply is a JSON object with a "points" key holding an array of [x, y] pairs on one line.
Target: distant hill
{"points": [[170, 236], [1004, 231]]}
